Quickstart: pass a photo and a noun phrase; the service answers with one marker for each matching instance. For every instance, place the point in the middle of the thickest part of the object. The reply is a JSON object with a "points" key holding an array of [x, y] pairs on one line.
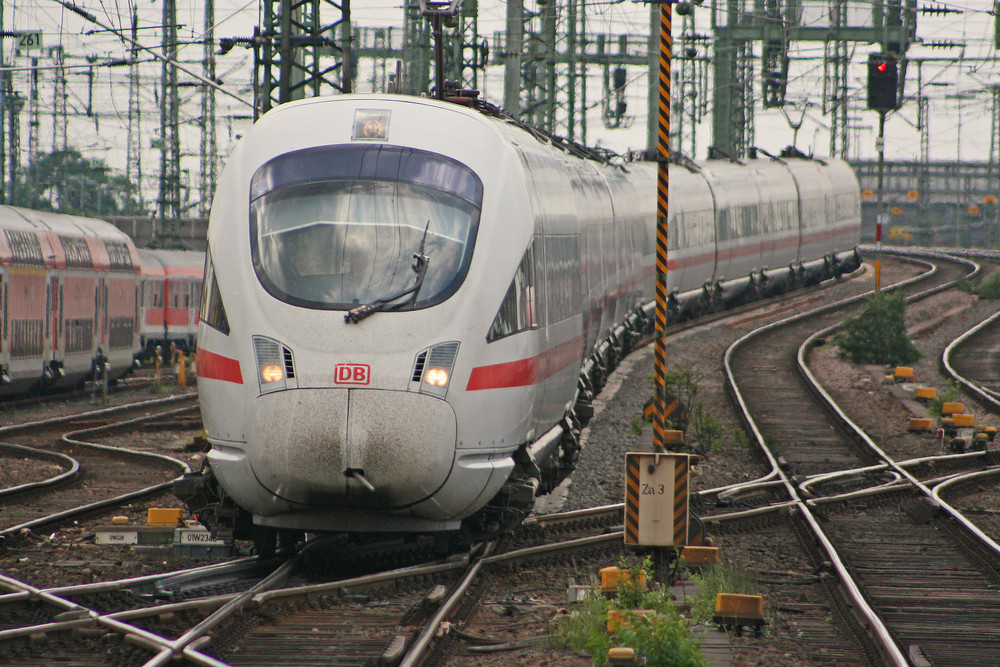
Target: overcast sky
{"points": [[960, 105]]}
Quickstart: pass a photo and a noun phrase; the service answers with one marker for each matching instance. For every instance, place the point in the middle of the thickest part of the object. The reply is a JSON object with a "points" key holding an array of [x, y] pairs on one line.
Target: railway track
{"points": [[359, 620], [91, 476], [382, 617], [907, 561], [973, 361]]}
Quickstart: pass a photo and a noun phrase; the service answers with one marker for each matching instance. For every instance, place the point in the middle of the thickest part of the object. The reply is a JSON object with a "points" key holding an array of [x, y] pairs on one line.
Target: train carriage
{"points": [[170, 297], [401, 294], [68, 288]]}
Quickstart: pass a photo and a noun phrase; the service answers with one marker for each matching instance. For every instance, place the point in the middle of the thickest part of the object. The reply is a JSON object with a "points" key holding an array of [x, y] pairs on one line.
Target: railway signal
{"points": [[883, 82]]}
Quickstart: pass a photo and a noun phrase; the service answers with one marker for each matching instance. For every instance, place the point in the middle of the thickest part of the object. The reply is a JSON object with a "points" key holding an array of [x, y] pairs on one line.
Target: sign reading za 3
{"points": [[351, 374]]}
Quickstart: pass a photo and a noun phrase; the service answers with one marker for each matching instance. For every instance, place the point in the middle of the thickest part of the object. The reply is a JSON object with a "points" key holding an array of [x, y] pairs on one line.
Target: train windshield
{"points": [[344, 231]]}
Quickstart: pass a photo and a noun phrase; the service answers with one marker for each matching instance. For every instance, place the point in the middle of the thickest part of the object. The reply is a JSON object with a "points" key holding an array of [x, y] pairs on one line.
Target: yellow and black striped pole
{"points": [[662, 209]]}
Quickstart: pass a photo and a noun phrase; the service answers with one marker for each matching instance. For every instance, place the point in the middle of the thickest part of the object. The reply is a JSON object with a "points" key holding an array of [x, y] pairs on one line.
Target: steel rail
{"points": [[891, 651], [775, 472], [188, 643], [965, 477], [120, 451], [82, 615], [872, 446], [120, 584], [52, 421], [988, 397], [909, 463], [72, 469], [69, 438]]}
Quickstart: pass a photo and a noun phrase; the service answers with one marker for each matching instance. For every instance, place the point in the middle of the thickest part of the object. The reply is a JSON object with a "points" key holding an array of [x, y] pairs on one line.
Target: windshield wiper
{"points": [[420, 262]]}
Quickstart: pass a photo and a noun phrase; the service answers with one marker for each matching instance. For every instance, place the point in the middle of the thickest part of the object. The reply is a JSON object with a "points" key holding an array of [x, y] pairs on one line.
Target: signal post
{"points": [[883, 96], [656, 483]]}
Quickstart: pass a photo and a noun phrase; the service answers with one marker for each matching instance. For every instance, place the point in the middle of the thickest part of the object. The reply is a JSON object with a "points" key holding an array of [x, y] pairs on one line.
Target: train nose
{"points": [[359, 447]]}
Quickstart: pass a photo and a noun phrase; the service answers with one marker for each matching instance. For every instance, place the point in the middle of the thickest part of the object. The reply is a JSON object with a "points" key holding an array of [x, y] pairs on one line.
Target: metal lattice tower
{"points": [[208, 147], [465, 58], [835, 93], [14, 104], [169, 199], [995, 132], [59, 118], [778, 23], [552, 95], [417, 50], [33, 114], [690, 73], [537, 101], [732, 96], [923, 123], [302, 51], [732, 76], [745, 60], [133, 141]]}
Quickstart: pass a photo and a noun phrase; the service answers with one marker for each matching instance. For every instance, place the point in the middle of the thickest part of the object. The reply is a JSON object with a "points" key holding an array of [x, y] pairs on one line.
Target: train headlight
{"points": [[433, 368], [272, 373], [436, 377], [274, 364], [371, 125]]}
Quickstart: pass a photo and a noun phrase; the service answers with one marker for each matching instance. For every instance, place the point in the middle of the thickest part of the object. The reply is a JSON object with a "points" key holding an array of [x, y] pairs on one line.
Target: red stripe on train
{"points": [[217, 367], [524, 372]]}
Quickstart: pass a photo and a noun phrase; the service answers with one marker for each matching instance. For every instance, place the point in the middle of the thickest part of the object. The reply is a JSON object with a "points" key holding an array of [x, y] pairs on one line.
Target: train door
{"points": [[3, 326], [51, 319], [27, 300], [121, 306], [59, 347], [168, 294], [139, 294], [100, 312], [105, 314], [3, 320]]}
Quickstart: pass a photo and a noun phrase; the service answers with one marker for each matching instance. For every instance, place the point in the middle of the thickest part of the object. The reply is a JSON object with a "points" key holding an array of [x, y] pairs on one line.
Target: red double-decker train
{"points": [[79, 299]]}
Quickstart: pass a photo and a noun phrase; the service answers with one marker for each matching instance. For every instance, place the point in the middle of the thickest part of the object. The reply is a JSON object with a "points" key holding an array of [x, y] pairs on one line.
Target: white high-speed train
{"points": [[407, 302]]}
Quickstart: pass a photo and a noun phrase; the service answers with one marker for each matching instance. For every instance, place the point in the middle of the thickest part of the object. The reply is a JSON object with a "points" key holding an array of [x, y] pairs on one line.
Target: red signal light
{"points": [[883, 82]]}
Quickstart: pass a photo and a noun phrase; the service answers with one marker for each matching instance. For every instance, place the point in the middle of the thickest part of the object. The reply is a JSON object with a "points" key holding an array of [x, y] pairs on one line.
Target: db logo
{"points": [[351, 374]]}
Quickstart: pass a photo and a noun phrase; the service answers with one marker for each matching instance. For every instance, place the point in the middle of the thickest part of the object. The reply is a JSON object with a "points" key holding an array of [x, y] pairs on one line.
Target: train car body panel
{"points": [[170, 298], [68, 297], [691, 231], [400, 295]]}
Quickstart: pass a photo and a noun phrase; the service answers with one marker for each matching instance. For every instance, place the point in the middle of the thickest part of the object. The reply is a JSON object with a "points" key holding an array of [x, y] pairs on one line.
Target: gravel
{"points": [[861, 390], [617, 429]]}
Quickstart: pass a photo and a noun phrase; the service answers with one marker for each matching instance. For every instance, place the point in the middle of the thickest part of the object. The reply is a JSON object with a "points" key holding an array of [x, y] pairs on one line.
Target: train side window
{"points": [[517, 312], [25, 248], [119, 256], [214, 312], [77, 252]]}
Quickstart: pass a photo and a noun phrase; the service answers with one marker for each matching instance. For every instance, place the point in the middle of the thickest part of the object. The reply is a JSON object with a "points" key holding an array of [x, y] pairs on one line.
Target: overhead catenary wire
{"points": [[170, 61]]}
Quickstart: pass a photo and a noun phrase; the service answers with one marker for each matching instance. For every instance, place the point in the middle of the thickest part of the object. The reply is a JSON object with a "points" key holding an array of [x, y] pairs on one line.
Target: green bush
{"points": [[583, 630], [878, 334], [990, 287], [663, 638]]}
